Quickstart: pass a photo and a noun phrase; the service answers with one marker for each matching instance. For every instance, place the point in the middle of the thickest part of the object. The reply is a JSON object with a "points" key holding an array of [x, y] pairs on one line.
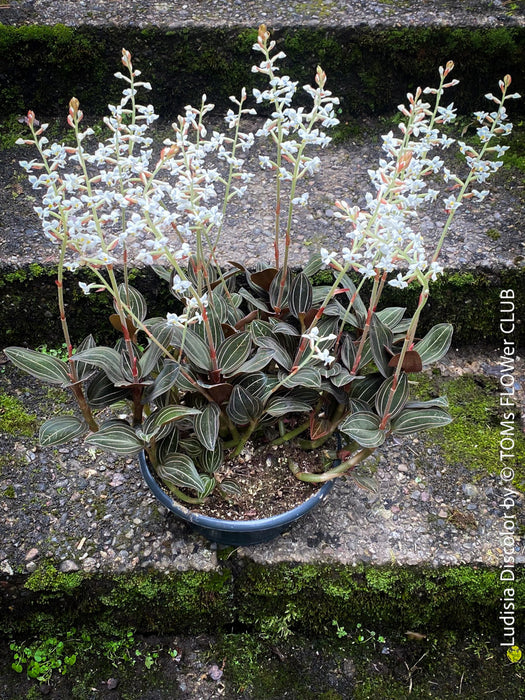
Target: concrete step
{"points": [[372, 51]]}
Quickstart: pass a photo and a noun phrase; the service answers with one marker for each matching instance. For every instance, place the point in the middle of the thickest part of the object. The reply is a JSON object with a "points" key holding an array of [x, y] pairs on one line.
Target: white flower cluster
{"points": [[384, 233]]}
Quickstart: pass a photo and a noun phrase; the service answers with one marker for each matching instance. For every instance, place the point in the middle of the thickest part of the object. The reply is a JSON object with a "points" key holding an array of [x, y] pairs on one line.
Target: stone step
{"points": [[483, 253], [372, 51]]}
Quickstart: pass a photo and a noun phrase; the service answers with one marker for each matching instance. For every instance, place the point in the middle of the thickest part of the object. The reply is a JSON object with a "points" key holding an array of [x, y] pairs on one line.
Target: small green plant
{"points": [[340, 631], [41, 658], [278, 626], [60, 352]]}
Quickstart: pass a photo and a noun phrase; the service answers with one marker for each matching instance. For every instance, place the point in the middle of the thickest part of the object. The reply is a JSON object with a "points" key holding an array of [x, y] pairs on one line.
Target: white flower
{"points": [[324, 356], [179, 285], [327, 257], [176, 320]]}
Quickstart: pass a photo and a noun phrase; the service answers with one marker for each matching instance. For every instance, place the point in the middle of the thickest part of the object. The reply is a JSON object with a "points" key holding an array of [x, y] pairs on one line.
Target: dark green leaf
{"points": [[179, 470], [197, 351], [118, 438], [282, 405], [435, 344], [279, 354], [209, 485], [233, 352], [206, 425], [275, 289], [255, 383], [399, 398], [164, 381], [43, 367], [150, 358], [106, 359], [306, 376], [381, 337], [242, 406], [168, 414], [134, 299], [101, 391], [364, 429], [412, 420], [60, 429], [301, 295], [259, 361], [391, 316], [211, 460], [83, 370]]}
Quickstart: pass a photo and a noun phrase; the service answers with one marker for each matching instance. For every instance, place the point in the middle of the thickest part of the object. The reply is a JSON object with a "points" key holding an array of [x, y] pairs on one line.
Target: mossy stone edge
{"points": [[29, 310], [43, 66], [243, 595]]}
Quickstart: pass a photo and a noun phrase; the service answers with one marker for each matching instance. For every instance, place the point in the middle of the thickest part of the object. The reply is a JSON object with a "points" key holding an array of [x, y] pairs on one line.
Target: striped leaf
{"points": [[306, 376], [196, 350], [348, 351], [101, 391], [168, 444], [60, 429], [233, 352], [117, 437], [106, 359], [230, 487], [438, 402], [209, 485], [44, 367], [211, 460], [206, 425], [83, 370], [242, 406], [278, 352], [358, 306], [164, 381], [364, 429], [413, 420], [179, 470], [391, 316], [282, 405], [435, 344], [134, 299], [381, 337], [275, 289], [260, 329], [255, 383], [342, 378], [301, 295], [313, 265], [365, 388], [259, 361], [168, 414], [153, 353], [399, 398]]}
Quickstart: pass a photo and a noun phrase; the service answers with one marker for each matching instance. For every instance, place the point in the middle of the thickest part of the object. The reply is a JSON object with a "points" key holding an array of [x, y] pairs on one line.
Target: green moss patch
{"points": [[473, 438], [13, 417], [371, 69]]}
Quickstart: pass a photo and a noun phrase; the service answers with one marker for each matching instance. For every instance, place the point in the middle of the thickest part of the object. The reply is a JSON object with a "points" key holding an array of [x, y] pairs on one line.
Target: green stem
{"points": [[335, 471]]}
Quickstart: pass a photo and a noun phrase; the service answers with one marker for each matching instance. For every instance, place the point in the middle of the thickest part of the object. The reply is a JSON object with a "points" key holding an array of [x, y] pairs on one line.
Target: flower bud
{"points": [[264, 35]]}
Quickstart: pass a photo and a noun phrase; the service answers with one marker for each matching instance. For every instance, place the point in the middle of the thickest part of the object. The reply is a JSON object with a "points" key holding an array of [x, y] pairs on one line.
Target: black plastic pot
{"points": [[233, 532]]}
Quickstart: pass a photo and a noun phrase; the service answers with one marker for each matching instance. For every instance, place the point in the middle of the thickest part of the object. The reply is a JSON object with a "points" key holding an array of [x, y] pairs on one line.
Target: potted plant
{"points": [[247, 357]]}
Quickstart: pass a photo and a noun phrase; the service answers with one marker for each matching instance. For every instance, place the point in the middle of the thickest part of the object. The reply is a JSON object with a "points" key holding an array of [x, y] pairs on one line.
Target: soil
{"points": [[267, 484]]}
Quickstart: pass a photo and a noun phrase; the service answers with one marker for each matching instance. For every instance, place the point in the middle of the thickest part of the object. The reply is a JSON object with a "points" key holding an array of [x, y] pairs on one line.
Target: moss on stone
{"points": [[389, 597], [473, 438], [13, 418], [370, 68]]}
